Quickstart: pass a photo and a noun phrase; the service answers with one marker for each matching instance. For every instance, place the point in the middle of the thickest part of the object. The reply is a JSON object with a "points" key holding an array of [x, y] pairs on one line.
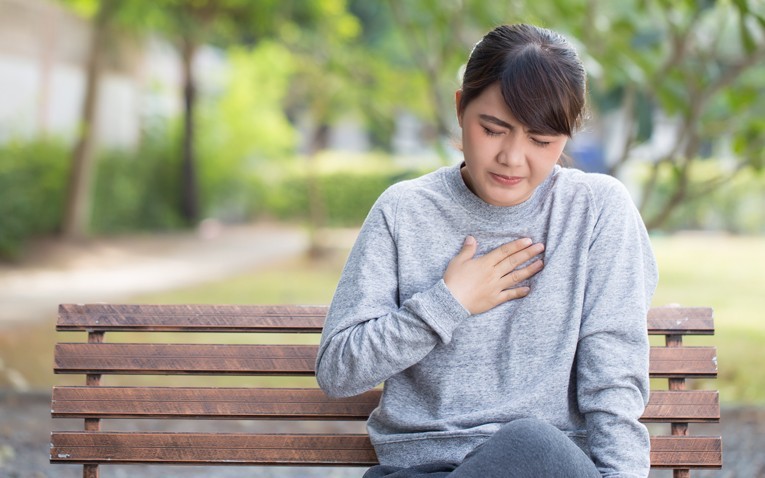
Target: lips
{"points": [[506, 180]]}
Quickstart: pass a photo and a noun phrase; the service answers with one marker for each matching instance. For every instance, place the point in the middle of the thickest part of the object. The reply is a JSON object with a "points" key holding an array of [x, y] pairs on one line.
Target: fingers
{"points": [[507, 250], [481, 283], [519, 275], [512, 294], [509, 263], [468, 249]]}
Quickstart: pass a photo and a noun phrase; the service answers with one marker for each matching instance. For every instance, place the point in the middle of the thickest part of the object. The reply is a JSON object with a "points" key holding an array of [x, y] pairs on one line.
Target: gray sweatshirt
{"points": [[574, 352]]}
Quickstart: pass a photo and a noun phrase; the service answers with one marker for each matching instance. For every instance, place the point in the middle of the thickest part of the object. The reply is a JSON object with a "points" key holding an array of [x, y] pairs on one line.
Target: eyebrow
{"points": [[504, 124], [495, 120]]}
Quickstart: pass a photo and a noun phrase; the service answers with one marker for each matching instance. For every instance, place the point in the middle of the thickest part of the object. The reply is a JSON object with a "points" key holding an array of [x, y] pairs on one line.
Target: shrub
{"points": [[346, 191], [137, 190], [33, 177]]}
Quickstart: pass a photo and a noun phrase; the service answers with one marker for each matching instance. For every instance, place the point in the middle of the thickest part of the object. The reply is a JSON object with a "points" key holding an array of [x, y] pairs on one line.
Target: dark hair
{"points": [[540, 74]]}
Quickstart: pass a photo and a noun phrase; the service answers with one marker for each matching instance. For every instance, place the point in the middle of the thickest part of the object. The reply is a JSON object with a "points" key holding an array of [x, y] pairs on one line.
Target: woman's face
{"points": [[505, 161]]}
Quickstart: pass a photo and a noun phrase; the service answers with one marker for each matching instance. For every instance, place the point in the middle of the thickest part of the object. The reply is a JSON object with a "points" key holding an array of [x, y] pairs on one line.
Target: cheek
{"points": [[474, 141], [551, 157]]}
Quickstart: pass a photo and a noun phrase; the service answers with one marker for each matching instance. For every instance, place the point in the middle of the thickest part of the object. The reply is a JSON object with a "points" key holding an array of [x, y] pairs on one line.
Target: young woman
{"points": [[502, 301]]}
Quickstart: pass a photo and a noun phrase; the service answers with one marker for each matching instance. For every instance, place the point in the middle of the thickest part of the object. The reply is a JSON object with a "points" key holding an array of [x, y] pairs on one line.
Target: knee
{"points": [[528, 427], [531, 433]]}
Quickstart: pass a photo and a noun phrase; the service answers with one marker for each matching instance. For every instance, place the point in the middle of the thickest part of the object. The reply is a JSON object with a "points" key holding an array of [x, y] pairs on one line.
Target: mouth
{"points": [[506, 180]]}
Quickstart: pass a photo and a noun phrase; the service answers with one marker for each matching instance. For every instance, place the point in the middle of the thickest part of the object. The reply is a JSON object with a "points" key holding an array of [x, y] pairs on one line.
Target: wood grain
{"points": [[247, 449]]}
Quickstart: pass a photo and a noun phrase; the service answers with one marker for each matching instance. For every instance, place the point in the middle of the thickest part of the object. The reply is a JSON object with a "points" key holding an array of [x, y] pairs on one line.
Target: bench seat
{"points": [[672, 448]]}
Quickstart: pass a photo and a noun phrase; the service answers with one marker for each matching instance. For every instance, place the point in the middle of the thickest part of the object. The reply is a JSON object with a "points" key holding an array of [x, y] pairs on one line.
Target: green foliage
{"points": [[33, 179], [137, 190], [347, 192], [244, 126], [735, 206], [134, 190]]}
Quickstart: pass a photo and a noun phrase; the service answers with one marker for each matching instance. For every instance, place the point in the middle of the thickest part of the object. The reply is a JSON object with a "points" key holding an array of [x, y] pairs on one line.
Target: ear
{"points": [[457, 98]]}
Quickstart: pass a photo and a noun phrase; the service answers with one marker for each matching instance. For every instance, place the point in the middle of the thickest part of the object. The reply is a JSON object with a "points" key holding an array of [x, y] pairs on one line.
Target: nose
{"points": [[511, 152]]}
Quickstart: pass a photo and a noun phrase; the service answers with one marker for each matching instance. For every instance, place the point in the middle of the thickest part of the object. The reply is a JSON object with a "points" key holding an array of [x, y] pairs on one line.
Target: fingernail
{"points": [[526, 241], [469, 241]]}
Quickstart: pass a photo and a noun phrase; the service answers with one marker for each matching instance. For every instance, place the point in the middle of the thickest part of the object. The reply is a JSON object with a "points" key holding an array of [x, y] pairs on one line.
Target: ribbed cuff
{"points": [[438, 308]]}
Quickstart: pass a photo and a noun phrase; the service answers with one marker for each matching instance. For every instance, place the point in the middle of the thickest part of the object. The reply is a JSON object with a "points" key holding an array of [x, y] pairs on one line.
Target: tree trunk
{"points": [[317, 211], [189, 190], [77, 209]]}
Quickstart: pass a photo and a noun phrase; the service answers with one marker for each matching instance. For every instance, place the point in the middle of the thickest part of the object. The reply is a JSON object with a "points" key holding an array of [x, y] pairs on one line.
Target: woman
{"points": [[495, 362]]}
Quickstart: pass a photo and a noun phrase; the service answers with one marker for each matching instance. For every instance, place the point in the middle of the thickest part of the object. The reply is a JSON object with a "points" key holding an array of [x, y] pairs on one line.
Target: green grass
{"points": [[726, 273]]}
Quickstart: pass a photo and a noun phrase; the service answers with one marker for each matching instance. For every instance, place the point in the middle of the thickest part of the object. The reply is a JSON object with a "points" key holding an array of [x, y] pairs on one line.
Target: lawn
{"points": [[726, 273]]}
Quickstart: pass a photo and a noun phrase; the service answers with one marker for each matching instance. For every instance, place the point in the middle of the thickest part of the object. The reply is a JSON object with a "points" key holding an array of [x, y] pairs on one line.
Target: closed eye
{"points": [[490, 132], [540, 143]]}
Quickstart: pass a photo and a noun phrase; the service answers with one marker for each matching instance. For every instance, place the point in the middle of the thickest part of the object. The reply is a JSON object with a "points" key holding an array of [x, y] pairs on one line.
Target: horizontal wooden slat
{"points": [[686, 452], [308, 404], [288, 318], [244, 449], [208, 403], [681, 320], [108, 358], [211, 449], [692, 362], [191, 318], [682, 406]]}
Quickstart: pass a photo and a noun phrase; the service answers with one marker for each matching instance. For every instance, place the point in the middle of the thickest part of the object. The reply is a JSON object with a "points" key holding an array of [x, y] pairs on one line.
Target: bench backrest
{"points": [[673, 448]]}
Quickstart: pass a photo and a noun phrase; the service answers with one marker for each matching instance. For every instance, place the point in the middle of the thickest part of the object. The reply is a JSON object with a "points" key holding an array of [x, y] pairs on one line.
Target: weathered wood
{"points": [[299, 404], [218, 359], [686, 452], [191, 318], [285, 359], [690, 406], [246, 449], [692, 362], [291, 318], [211, 449], [681, 320], [209, 403]]}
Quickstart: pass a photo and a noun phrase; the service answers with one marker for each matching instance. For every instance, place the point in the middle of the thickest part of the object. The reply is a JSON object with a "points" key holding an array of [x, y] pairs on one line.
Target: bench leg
{"points": [[89, 471]]}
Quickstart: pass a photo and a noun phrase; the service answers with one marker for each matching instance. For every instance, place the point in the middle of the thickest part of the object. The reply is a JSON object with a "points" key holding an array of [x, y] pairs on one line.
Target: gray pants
{"points": [[526, 448]]}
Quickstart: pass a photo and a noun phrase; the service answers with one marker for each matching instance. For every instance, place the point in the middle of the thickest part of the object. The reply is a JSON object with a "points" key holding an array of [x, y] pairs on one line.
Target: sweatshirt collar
{"points": [[475, 205]]}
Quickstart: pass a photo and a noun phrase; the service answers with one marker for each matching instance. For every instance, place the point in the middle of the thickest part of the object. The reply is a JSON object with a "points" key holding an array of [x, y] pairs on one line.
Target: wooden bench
{"points": [[671, 445]]}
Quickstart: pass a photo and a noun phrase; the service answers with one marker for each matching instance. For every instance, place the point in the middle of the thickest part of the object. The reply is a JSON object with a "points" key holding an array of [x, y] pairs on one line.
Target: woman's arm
{"points": [[368, 335], [612, 356]]}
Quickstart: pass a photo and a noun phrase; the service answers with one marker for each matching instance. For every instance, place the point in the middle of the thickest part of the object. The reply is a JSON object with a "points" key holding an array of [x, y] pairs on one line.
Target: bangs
{"points": [[539, 94]]}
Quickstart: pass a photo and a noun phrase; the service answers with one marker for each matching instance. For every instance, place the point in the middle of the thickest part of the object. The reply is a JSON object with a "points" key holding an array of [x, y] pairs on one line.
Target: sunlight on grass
{"points": [[297, 281], [727, 273]]}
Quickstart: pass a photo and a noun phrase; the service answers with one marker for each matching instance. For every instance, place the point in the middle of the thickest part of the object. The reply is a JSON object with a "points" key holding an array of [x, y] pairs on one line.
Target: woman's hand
{"points": [[482, 283]]}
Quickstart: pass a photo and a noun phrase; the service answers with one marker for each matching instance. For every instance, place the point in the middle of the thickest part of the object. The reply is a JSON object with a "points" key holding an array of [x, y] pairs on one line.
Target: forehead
{"points": [[491, 101]]}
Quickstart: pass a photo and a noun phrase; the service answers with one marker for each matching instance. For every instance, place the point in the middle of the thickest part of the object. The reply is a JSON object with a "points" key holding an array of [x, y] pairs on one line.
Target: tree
{"points": [[188, 25], [699, 62], [78, 199], [229, 22]]}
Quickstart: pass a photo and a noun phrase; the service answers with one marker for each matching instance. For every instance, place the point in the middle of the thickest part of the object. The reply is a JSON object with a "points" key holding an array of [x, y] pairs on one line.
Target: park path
{"points": [[107, 269]]}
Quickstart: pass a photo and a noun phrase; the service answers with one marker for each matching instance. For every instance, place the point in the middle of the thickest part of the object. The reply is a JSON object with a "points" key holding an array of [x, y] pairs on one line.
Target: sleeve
{"points": [[368, 336], [612, 356]]}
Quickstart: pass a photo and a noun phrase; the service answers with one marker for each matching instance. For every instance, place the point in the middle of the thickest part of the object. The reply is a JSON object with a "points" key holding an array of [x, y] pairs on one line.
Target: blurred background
{"points": [[227, 152]]}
